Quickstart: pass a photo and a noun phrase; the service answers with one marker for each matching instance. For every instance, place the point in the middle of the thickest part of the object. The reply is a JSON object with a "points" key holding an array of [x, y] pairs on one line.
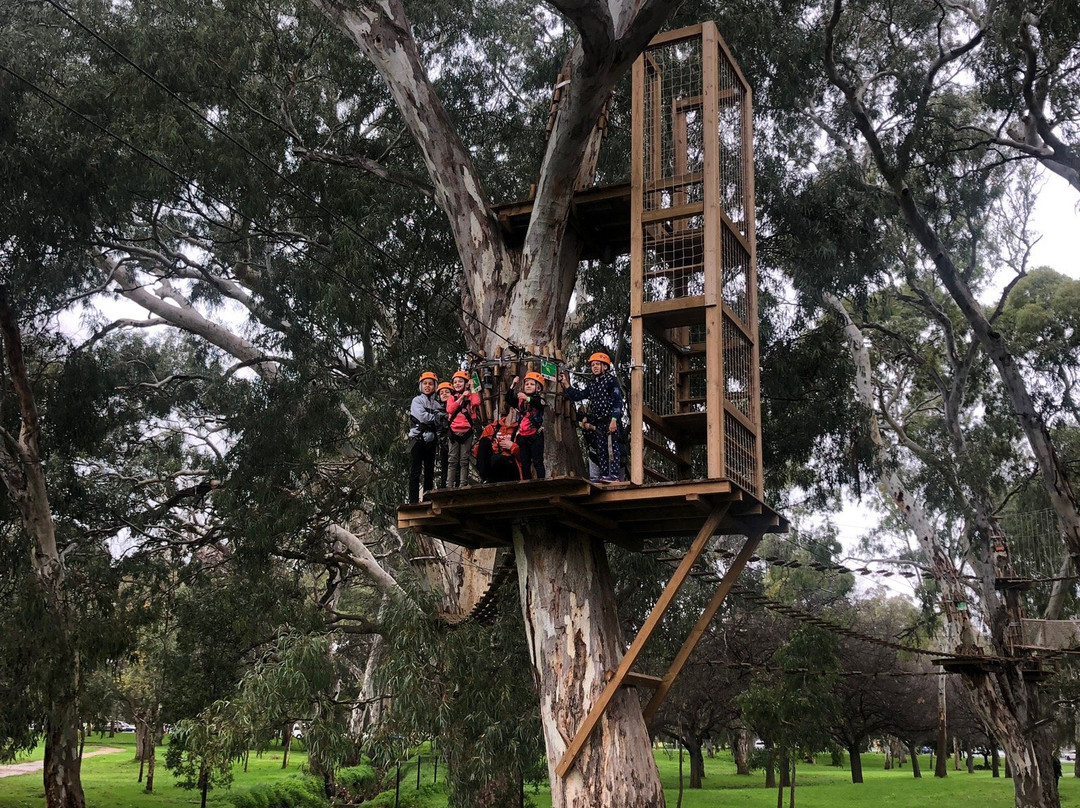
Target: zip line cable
{"points": [[336, 217]]}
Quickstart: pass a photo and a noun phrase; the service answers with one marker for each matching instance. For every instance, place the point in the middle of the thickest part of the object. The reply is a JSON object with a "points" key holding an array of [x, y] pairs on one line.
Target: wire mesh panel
{"points": [[739, 377], [692, 264], [659, 377], [740, 454], [732, 97], [735, 280], [673, 192]]}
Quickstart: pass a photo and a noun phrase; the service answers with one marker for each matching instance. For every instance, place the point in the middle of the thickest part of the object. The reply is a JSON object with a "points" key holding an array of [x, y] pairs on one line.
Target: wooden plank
{"points": [[657, 307], [633, 679], [634, 651], [602, 522], [674, 181], [696, 633], [739, 416], [678, 35], [674, 212], [612, 496]]}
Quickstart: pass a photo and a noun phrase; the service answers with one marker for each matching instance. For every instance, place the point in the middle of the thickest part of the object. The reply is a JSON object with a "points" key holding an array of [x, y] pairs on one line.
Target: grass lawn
{"points": [[823, 786], [111, 781]]}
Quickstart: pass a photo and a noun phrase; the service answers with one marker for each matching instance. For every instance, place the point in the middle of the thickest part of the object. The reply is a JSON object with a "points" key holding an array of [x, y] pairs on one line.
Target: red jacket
{"points": [[457, 407], [489, 433]]}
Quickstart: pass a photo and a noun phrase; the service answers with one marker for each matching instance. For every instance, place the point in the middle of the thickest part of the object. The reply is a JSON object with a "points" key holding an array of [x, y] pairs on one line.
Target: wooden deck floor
{"points": [[622, 513]]}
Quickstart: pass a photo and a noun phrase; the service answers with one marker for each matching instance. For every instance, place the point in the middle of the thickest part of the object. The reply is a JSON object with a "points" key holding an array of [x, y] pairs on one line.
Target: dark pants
{"points": [[532, 454], [600, 440], [422, 455], [444, 460], [493, 466]]}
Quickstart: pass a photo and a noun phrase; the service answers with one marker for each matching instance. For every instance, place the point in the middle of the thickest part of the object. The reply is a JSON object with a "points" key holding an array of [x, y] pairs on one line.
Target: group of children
{"points": [[444, 418]]}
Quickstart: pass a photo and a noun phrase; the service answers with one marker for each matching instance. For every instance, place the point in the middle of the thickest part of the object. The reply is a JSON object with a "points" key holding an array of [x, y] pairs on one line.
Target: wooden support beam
{"points": [[696, 633], [642, 680], [636, 647]]}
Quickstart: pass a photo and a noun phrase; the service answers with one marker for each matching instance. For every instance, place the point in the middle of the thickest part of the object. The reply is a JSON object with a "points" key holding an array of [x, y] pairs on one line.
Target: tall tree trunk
{"points": [[855, 753], [23, 474], [995, 762], [151, 763], [697, 760], [286, 744], [784, 765], [62, 767], [574, 641], [770, 768], [740, 751], [916, 770]]}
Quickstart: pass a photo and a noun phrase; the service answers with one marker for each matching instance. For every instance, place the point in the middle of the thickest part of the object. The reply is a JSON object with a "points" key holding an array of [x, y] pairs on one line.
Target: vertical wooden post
{"points": [[714, 342], [749, 200], [637, 281]]}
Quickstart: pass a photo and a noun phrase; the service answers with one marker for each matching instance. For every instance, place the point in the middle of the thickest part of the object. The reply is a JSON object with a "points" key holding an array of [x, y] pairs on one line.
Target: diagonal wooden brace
{"points": [[696, 633], [708, 529]]}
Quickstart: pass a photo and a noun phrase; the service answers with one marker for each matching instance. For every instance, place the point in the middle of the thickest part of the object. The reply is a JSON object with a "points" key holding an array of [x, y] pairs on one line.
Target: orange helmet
{"points": [[460, 374], [427, 374], [600, 357], [444, 386], [536, 377]]}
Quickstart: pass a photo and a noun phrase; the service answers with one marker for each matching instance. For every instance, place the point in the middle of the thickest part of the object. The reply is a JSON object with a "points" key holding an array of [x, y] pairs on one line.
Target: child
{"points": [[601, 425], [498, 458], [424, 412], [442, 392], [463, 407], [530, 436]]}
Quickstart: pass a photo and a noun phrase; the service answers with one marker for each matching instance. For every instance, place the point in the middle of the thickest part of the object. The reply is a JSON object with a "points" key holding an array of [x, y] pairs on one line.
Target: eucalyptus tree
{"points": [[513, 294]]}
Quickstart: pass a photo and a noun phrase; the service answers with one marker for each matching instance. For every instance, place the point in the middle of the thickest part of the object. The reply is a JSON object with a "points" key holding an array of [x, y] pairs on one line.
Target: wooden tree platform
{"points": [[600, 215], [622, 513]]}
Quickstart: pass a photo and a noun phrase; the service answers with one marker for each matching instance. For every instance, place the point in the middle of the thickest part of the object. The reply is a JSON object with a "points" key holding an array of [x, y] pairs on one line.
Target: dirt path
{"points": [[13, 769]]}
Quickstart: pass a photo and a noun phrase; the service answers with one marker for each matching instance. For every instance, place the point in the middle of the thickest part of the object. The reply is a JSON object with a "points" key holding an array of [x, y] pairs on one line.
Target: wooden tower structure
{"points": [[695, 403], [686, 220]]}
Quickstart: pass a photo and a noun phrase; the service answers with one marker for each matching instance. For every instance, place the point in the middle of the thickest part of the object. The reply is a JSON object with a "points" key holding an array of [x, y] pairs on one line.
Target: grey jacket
{"points": [[424, 413]]}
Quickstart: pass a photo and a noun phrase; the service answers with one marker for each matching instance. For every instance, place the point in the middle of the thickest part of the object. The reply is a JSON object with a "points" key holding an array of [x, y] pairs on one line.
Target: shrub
{"points": [[357, 782], [305, 793]]}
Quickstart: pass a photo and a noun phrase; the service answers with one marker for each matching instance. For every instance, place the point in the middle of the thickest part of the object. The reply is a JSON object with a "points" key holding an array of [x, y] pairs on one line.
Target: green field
{"points": [[110, 782], [823, 786]]}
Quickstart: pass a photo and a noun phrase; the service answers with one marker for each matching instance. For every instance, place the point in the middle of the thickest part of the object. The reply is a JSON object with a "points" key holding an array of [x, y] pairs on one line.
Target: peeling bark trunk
{"points": [[62, 766], [740, 751], [574, 641]]}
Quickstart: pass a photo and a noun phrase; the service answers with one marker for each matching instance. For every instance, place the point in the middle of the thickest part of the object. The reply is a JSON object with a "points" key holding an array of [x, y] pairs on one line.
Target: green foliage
{"points": [[427, 796], [469, 687], [294, 793]]}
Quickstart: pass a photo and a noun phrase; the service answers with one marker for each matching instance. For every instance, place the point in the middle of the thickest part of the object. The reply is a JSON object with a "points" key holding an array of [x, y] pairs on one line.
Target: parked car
{"points": [[122, 726]]}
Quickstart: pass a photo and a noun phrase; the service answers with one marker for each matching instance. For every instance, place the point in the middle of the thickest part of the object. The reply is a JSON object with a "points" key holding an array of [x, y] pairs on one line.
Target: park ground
{"points": [[110, 781]]}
